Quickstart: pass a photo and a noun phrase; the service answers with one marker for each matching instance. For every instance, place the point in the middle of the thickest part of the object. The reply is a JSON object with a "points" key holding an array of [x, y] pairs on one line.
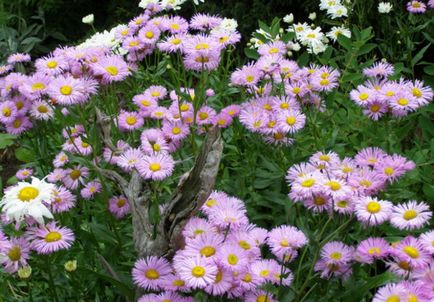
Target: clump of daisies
{"points": [[222, 256], [279, 90], [28, 205], [325, 183], [379, 95]]}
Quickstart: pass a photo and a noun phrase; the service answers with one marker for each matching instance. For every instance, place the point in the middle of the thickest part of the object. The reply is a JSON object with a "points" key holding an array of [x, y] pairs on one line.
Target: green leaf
{"points": [[6, 140], [251, 53], [154, 213], [25, 155], [419, 55], [345, 42], [303, 59], [366, 49], [429, 69]]}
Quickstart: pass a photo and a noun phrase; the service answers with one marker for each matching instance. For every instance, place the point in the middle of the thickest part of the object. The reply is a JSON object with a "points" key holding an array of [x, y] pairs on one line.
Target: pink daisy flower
{"points": [[197, 227], [18, 58], [8, 112], [284, 239], [62, 200], [156, 167], [150, 272], [175, 131], [172, 43], [390, 292], [119, 206], [19, 125], [410, 215], [232, 257], [259, 295], [90, 189], [206, 245], [35, 86], [371, 211], [51, 65], [196, 272], [204, 22], [111, 69], [56, 175], [336, 252], [129, 121], [14, 254], [265, 270], [371, 249], [74, 176], [156, 92], [223, 282], [411, 251], [50, 238], [291, 121], [248, 75], [427, 240], [379, 69], [129, 159], [149, 34], [153, 141], [60, 160], [67, 90], [416, 7], [23, 174]]}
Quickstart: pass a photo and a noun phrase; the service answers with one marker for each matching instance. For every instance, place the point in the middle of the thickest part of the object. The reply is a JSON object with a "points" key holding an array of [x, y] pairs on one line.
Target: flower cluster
{"points": [[409, 258], [348, 186], [279, 88], [43, 239], [222, 256], [378, 95]]}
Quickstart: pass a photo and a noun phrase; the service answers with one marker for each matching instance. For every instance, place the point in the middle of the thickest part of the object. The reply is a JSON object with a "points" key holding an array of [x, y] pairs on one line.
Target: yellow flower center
{"points": [[262, 298], [232, 259], [284, 243], [53, 236], [412, 298], [312, 36], [404, 265], [184, 107], [410, 214], [390, 93], [244, 245], [411, 251], [416, 92], [203, 115], [152, 274], [319, 201], [363, 96], [134, 43], [155, 167], [121, 202], [131, 120], [324, 82], [176, 130], [250, 78], [247, 278], [178, 282], [202, 59], [202, 46], [38, 86], [28, 193], [290, 120], [393, 298], [296, 90], [374, 250], [365, 183], [156, 147], [198, 232], [42, 109], [403, 102], [14, 253], [66, 90], [175, 26], [264, 273], [17, 123], [308, 183], [210, 203], [149, 34], [273, 50], [75, 174], [375, 108], [336, 256], [198, 271], [112, 70], [175, 41], [342, 203], [373, 207], [207, 251], [334, 185], [7, 112], [51, 64]]}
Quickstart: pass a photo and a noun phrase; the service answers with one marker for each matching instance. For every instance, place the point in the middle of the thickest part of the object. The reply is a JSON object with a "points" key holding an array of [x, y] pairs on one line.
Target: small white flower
{"points": [[327, 4], [196, 2], [288, 18], [227, 25], [26, 199], [312, 16], [88, 19], [296, 47], [336, 31], [144, 3], [337, 11], [384, 7]]}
